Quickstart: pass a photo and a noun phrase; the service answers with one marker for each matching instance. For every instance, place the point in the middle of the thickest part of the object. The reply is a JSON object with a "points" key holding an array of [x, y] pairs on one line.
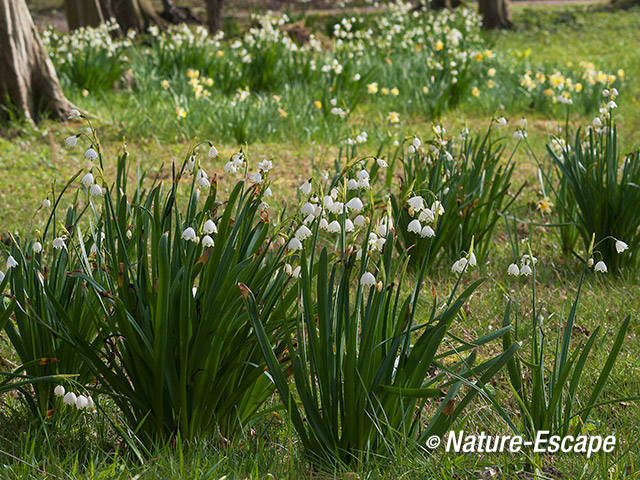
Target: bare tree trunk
{"points": [[177, 14], [214, 15], [495, 14], [28, 78], [135, 15], [83, 13]]}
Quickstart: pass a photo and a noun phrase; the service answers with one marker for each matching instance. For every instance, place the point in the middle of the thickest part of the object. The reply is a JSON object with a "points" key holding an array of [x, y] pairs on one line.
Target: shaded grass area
{"points": [[31, 158]]}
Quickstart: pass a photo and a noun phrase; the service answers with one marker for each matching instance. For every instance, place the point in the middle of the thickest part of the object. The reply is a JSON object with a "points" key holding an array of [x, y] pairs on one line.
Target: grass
{"points": [[31, 157]]}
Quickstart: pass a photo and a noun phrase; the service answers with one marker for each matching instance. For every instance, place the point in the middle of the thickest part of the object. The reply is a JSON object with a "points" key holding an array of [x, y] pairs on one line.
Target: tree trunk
{"points": [[28, 79], [495, 14], [174, 14], [135, 15], [214, 15], [83, 13]]}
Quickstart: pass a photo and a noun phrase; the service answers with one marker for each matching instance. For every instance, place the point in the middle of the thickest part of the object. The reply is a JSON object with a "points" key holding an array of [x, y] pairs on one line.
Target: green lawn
{"points": [[31, 158]]}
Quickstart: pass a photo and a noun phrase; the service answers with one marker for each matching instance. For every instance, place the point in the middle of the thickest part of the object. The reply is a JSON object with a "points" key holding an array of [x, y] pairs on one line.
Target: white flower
{"points": [[526, 270], [597, 122], [90, 404], [69, 399], [95, 190], [414, 226], [381, 163], [348, 225], [294, 244], [203, 182], [612, 104], [213, 152], [334, 227], [458, 266], [73, 114], [209, 227], [256, 177], [207, 241], [37, 247], [324, 224], [360, 221], [58, 243], [91, 154], [501, 122], [437, 208], [308, 209], [46, 203], [513, 270], [472, 260], [621, 246], [519, 134], [1, 277], [367, 279], [71, 141], [336, 207], [352, 184], [427, 231], [416, 142], [189, 234], [288, 268], [303, 232], [305, 188], [600, 267], [230, 167], [81, 402], [297, 272], [265, 165], [11, 263], [355, 204], [87, 180], [426, 215], [416, 203], [59, 391], [268, 192]]}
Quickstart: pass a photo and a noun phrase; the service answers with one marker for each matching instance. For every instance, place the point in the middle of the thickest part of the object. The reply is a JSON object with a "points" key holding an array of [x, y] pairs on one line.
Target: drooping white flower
{"points": [[324, 224], [526, 270], [367, 279], [336, 207], [472, 260], [416, 142], [71, 141], [334, 227], [294, 244], [37, 247], [513, 270], [297, 272], [73, 114], [308, 209], [11, 262], [437, 208], [90, 154], [360, 221], [87, 180], [426, 215], [600, 267], [209, 227], [213, 152], [597, 123], [268, 192], [303, 232], [1, 276], [69, 399], [189, 234], [621, 246], [207, 241], [95, 190], [352, 184], [203, 182], [81, 402], [230, 167], [59, 391], [427, 231], [381, 163], [414, 226], [305, 188], [416, 203], [355, 204], [501, 122], [256, 177], [46, 203], [58, 243], [348, 225], [90, 404]]}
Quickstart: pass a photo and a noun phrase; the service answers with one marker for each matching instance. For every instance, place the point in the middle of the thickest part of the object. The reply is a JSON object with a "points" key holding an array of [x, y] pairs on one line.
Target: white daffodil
{"points": [[11, 263], [58, 243], [207, 241], [91, 154], [294, 244], [37, 247], [209, 227], [513, 270], [189, 234], [70, 399], [600, 267], [367, 279], [71, 141], [59, 391], [355, 204], [414, 226], [621, 246], [87, 180]]}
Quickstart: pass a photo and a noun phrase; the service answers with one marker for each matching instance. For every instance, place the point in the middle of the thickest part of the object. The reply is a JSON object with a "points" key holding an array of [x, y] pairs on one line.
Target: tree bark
{"points": [[28, 79], [135, 15], [214, 15], [83, 13], [495, 14]]}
